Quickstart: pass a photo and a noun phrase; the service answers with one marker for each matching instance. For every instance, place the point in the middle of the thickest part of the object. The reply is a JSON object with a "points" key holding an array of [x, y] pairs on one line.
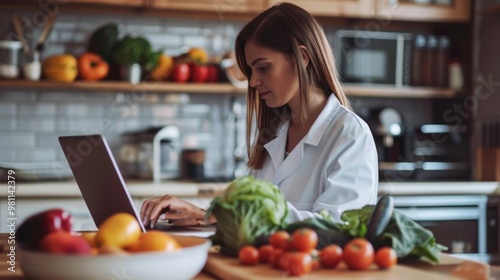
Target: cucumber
{"points": [[380, 217]]}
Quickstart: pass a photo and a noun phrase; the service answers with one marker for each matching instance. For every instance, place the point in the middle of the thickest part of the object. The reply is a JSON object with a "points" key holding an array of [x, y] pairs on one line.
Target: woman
{"points": [[306, 141]]}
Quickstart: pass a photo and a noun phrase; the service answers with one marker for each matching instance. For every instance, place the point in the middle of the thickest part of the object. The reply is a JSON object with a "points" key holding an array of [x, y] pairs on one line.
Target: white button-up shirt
{"points": [[334, 167]]}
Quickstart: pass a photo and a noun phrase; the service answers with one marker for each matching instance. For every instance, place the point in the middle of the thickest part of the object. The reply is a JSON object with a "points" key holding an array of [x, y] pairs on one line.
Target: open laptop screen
{"points": [[98, 177]]}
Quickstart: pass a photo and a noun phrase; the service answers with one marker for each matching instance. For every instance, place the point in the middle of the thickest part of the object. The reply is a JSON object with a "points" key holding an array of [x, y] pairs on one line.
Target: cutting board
{"points": [[223, 267]]}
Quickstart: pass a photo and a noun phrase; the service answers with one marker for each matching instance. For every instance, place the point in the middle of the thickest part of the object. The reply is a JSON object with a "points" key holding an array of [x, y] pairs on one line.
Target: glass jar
{"points": [[9, 51]]}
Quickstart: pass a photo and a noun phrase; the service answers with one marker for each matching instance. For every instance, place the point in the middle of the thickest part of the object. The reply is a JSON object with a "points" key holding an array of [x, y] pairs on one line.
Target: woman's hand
{"points": [[178, 211]]}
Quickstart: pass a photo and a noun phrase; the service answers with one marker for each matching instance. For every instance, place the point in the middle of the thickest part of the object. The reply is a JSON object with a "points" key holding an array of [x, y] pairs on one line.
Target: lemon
{"points": [[119, 230]]}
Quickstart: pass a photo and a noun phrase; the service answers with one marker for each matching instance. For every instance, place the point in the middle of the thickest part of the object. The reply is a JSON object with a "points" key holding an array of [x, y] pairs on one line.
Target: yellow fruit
{"points": [[120, 230], [62, 68], [163, 68], [89, 236], [198, 55], [155, 241], [111, 250]]}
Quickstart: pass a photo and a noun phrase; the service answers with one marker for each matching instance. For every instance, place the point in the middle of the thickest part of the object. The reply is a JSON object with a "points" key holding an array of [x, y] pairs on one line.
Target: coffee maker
{"points": [[388, 132]]}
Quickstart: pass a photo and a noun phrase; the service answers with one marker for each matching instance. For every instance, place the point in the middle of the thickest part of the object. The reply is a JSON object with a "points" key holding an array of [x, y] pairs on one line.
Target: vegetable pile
{"points": [[248, 209]]}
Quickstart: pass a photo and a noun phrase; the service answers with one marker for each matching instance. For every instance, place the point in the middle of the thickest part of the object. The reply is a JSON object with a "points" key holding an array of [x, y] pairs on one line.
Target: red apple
{"points": [[199, 73], [181, 73], [63, 242]]}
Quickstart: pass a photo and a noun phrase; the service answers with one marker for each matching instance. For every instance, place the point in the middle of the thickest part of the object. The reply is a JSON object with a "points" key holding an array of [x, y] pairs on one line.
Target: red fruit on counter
{"points": [[63, 242], [36, 227]]}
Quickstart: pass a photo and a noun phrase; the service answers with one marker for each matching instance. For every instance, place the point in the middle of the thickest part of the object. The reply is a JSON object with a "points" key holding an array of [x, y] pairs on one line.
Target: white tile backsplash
{"points": [[17, 95], [17, 139], [41, 124], [8, 123], [38, 109], [37, 155], [8, 109]]}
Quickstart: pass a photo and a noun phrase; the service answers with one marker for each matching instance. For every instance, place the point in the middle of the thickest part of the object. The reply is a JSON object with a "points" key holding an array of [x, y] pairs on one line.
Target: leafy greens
{"points": [[248, 209]]}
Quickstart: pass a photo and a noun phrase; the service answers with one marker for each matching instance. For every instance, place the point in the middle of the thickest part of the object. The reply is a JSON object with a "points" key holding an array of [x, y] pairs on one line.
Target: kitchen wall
{"points": [[31, 120]]}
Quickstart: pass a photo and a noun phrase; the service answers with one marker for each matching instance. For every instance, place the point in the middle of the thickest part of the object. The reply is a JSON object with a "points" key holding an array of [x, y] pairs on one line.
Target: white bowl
{"points": [[183, 264]]}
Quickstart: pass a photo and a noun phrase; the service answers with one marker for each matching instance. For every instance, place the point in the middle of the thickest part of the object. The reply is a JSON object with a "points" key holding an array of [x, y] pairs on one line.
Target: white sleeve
{"points": [[351, 176]]}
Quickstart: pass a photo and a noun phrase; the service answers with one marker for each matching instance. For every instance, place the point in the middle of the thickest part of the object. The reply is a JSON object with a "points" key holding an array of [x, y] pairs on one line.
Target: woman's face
{"points": [[273, 75]]}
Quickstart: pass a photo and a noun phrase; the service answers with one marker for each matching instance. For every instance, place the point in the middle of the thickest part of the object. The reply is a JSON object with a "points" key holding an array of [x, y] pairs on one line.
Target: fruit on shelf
{"points": [[198, 73], [36, 227], [121, 230], [64, 242], [198, 55], [61, 68], [163, 69], [181, 73], [91, 67]]}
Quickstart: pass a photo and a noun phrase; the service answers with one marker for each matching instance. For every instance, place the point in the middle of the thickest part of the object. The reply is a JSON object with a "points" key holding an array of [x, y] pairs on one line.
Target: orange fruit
{"points": [[155, 240], [119, 230], [198, 55], [89, 236]]}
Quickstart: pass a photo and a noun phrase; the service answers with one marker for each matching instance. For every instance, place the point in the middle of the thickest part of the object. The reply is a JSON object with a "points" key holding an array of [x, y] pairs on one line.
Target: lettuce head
{"points": [[249, 208]]}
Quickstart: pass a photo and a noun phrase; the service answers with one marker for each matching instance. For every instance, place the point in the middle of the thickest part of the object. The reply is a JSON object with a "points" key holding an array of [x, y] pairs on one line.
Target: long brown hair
{"points": [[284, 28]]}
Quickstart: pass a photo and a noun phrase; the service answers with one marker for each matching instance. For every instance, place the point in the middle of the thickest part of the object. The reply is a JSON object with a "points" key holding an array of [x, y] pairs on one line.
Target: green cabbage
{"points": [[248, 209]]}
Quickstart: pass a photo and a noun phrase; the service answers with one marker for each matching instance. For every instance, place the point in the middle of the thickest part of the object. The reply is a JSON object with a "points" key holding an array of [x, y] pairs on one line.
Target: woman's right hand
{"points": [[173, 209]]}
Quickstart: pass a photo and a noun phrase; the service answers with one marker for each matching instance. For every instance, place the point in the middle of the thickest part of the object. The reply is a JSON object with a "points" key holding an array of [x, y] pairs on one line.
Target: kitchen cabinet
{"points": [[338, 8], [456, 11], [218, 6]]}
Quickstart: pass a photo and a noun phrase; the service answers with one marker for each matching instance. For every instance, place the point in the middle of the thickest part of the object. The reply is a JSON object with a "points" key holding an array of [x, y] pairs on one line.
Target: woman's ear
{"points": [[304, 54]]}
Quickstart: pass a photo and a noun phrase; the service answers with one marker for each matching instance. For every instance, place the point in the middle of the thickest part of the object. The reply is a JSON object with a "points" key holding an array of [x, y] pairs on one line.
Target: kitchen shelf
{"points": [[217, 88], [494, 9], [115, 86], [399, 92]]}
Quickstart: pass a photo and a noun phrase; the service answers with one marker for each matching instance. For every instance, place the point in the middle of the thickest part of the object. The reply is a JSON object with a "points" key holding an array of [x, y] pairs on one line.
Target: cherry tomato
{"points": [[279, 239], [298, 263], [315, 259], [265, 253], [248, 255], [359, 254], [304, 239], [330, 256], [386, 257], [274, 257]]}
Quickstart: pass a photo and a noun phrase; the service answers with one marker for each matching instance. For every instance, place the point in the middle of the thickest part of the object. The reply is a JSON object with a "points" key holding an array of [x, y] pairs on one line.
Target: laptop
{"points": [[102, 185]]}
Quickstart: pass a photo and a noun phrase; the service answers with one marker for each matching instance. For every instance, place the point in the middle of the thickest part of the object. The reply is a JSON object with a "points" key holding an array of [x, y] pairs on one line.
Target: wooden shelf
{"points": [[115, 86], [216, 88], [399, 92]]}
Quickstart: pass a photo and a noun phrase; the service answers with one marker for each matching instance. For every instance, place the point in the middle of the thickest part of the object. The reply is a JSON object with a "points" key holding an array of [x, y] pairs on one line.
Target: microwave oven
{"points": [[374, 58]]}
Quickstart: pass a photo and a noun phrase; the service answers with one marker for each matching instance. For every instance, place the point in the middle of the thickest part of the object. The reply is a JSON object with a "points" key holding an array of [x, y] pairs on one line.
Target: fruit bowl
{"points": [[183, 264]]}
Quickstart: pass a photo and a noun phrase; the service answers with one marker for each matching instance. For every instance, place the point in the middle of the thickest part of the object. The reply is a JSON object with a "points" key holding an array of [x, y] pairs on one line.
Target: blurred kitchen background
{"points": [[426, 82]]}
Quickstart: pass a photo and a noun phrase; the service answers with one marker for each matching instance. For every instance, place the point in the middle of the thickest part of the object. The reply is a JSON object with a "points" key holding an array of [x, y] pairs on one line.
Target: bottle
{"points": [[419, 45], [442, 62], [456, 76], [429, 71]]}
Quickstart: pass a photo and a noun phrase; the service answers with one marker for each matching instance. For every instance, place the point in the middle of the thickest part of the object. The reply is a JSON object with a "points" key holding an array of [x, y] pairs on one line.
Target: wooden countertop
{"points": [[221, 267]]}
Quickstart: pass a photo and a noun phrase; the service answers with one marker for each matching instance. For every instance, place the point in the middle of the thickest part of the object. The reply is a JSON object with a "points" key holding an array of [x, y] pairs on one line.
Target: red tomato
{"points": [[298, 263], [92, 67], [304, 239], [248, 255], [274, 257], [279, 239], [213, 74], [265, 253], [181, 73], [386, 257], [330, 256], [199, 73], [358, 254]]}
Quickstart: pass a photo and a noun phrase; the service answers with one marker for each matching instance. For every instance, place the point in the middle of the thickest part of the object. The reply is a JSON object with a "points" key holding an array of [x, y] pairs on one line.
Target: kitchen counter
{"points": [[221, 267], [196, 189]]}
